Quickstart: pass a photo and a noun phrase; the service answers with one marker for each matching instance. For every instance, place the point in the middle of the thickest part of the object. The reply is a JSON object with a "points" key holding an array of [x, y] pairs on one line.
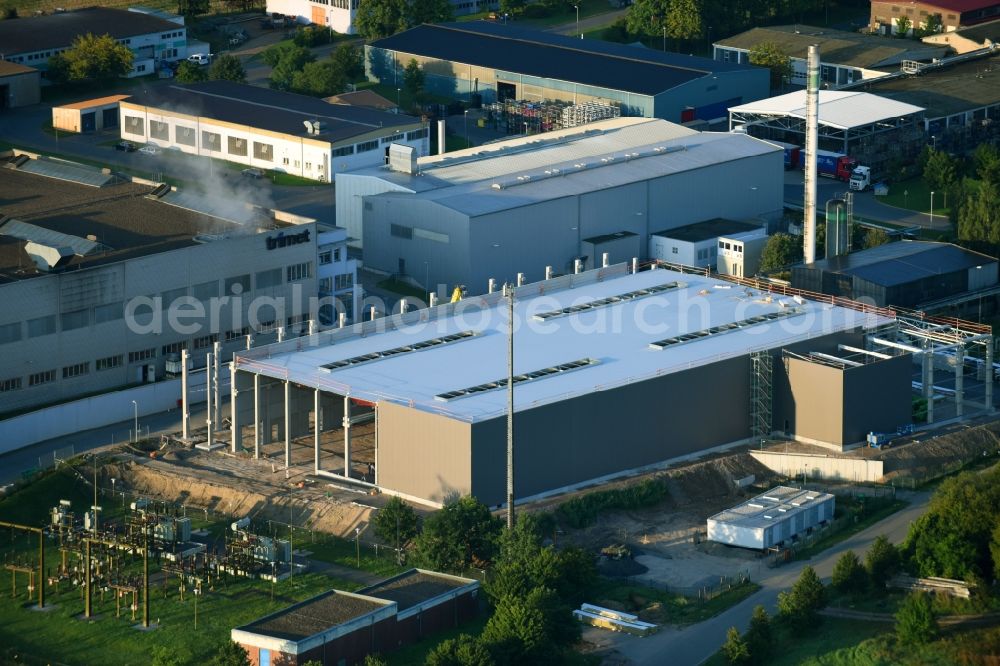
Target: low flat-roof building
{"points": [[33, 40], [696, 244], [89, 115], [19, 85], [772, 519], [905, 274], [657, 362], [520, 205], [846, 56], [342, 627], [268, 129], [500, 62]]}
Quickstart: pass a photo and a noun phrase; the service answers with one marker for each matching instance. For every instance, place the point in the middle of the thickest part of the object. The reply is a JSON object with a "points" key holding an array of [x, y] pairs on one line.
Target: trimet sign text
{"points": [[283, 240]]}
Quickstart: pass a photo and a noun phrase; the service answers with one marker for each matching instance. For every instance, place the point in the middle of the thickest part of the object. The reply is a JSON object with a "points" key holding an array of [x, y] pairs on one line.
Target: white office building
{"points": [[772, 519]]}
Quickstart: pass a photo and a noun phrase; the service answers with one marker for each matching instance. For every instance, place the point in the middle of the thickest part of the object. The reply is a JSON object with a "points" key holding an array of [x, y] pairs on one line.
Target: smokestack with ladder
{"points": [[812, 140]]}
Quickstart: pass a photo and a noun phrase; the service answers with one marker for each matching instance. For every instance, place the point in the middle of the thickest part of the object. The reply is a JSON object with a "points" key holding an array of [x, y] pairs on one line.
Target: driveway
{"points": [[694, 644]]}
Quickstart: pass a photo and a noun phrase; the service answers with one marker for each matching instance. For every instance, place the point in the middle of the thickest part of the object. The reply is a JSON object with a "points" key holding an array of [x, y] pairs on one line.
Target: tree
{"points": [[849, 577], [189, 72], [799, 606], [759, 636], [875, 237], [230, 654], [940, 171], [192, 8], [684, 19], [516, 632], [781, 250], [512, 7], [464, 650], [429, 11], [370, 660], [460, 535], [770, 55], [289, 60], [677, 19], [915, 621], [933, 24], [979, 215], [881, 561], [319, 79], [413, 78], [735, 648], [380, 18], [350, 60], [227, 68], [312, 35], [903, 25], [91, 58], [987, 161], [396, 523]]}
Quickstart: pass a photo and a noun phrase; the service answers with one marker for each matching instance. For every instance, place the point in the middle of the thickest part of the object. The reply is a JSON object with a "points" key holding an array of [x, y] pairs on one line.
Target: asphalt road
{"points": [[694, 644]]}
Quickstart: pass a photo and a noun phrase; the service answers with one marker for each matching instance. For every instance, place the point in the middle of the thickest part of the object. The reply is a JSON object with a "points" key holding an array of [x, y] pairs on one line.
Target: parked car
{"points": [[254, 173], [149, 150], [200, 58], [125, 146]]}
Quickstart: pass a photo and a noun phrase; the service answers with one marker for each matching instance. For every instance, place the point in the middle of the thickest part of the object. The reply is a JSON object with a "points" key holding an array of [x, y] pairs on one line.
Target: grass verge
{"points": [[830, 637], [914, 194], [862, 522], [397, 286], [661, 607], [346, 553]]}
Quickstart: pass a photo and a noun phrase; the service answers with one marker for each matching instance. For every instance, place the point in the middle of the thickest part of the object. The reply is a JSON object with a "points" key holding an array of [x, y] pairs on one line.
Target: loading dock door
{"points": [[109, 118], [4, 96], [88, 121], [506, 91]]}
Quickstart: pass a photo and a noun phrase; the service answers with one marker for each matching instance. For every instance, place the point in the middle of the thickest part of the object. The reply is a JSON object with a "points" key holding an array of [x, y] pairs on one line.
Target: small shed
{"points": [[620, 246], [89, 115], [19, 85], [772, 518]]}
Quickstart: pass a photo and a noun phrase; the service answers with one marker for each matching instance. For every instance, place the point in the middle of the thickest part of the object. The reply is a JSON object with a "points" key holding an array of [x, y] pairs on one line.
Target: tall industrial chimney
{"points": [[812, 139]]}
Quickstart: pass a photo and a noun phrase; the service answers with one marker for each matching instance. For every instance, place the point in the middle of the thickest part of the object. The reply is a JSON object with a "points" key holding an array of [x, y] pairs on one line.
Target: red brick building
{"points": [[340, 628], [885, 14]]}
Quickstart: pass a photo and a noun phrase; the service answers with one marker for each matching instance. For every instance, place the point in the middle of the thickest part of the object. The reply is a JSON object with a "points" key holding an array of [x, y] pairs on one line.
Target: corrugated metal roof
{"points": [[37, 33], [904, 261], [69, 171], [842, 109], [49, 237], [595, 157], [553, 56]]}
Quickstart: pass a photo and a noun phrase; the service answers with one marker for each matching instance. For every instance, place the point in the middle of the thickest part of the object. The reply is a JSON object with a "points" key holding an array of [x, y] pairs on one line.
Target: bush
{"points": [[915, 621], [799, 606], [881, 561], [313, 35], [735, 648], [536, 10], [759, 636], [582, 511], [464, 650], [849, 577]]}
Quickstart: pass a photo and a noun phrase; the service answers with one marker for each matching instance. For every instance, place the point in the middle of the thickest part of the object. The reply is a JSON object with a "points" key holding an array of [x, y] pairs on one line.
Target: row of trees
{"points": [[294, 68], [783, 250], [380, 18], [226, 67]]}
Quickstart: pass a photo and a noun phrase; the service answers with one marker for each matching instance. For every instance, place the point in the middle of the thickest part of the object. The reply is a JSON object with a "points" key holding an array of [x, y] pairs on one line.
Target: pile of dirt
{"points": [[715, 478], [927, 457], [223, 496]]}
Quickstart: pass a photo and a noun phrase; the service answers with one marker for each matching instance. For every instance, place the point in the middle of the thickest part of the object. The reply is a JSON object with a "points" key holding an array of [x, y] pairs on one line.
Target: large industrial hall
{"points": [[653, 365]]}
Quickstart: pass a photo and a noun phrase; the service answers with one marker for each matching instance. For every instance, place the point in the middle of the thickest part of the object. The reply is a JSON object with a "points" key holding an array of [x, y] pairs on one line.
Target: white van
{"points": [[200, 58]]}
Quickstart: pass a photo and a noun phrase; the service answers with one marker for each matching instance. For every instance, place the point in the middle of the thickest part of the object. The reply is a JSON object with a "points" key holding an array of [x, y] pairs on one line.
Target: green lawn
{"points": [[872, 516], [345, 553], [915, 195], [401, 288], [662, 607]]}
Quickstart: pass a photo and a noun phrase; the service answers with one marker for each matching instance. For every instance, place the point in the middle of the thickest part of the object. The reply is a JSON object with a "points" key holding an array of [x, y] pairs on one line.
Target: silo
{"points": [[837, 231]]}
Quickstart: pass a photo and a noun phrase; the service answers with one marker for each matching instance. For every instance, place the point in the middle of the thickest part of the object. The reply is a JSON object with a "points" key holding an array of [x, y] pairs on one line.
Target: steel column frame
{"points": [[317, 428], [347, 436], [256, 416], [288, 424]]}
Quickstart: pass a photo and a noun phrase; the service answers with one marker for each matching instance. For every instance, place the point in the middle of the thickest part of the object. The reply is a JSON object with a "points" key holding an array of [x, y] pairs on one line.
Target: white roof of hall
{"points": [[842, 109], [768, 508], [614, 339], [518, 172]]}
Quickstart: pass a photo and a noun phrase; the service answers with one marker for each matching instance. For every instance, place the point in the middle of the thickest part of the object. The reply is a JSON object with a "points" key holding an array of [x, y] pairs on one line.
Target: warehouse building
{"points": [[951, 14], [522, 204], [490, 62], [661, 363], [32, 41], [267, 129], [906, 274], [92, 270], [90, 115], [344, 627], [847, 56], [19, 85], [772, 519]]}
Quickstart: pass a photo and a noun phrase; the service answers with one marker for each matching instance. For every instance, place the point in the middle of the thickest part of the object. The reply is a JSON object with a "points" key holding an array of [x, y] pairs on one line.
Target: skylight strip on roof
{"points": [[610, 300], [419, 346], [523, 377], [723, 328]]}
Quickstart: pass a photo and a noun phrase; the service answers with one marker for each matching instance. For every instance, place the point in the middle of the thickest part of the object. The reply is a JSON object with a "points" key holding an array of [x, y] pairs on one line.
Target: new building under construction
{"points": [[615, 369]]}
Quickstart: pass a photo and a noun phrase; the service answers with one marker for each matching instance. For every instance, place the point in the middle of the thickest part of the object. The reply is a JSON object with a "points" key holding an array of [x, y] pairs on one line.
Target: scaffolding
{"points": [[761, 393]]}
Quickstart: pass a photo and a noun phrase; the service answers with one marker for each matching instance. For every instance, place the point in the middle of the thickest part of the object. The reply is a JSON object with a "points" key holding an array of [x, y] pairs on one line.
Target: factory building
{"points": [[661, 363], [772, 519], [32, 41], [522, 204], [267, 129], [19, 85], [907, 273], [343, 627], [488, 62], [94, 273], [848, 57]]}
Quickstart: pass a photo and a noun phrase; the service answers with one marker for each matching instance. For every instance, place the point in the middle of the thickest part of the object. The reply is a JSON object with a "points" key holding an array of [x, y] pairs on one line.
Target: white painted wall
{"points": [[341, 19], [102, 410], [832, 468]]}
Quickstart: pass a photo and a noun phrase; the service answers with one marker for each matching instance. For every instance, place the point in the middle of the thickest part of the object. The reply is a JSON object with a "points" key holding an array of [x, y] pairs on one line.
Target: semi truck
{"points": [[861, 178], [835, 165], [793, 154]]}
